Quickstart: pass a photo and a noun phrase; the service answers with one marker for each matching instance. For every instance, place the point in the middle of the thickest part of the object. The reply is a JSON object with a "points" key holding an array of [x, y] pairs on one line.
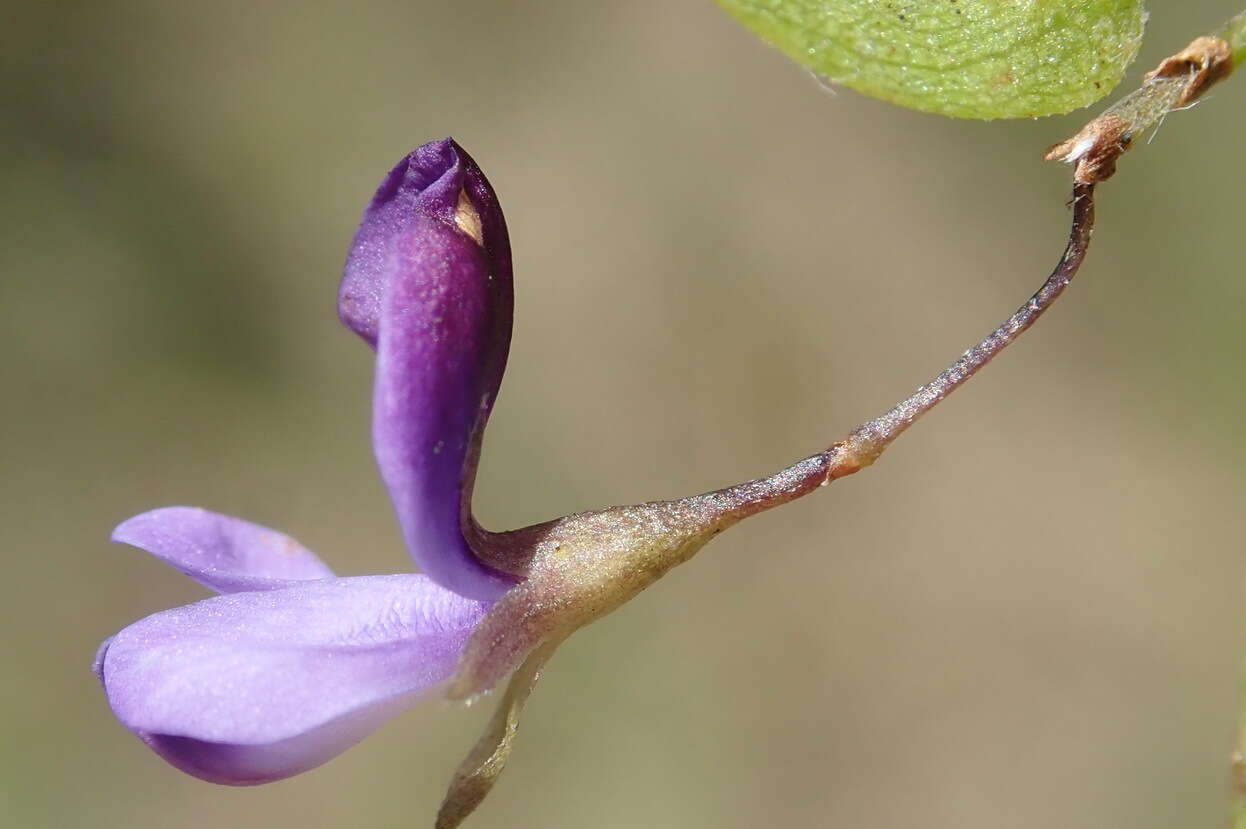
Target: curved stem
{"points": [[865, 443], [869, 439]]}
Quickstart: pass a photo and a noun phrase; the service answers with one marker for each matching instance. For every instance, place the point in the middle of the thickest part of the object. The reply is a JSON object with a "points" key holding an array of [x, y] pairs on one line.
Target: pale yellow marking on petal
{"points": [[468, 218]]}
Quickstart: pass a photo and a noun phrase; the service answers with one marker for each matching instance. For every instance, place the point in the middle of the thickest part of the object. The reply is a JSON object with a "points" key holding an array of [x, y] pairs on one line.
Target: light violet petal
{"points": [[253, 687], [224, 554]]}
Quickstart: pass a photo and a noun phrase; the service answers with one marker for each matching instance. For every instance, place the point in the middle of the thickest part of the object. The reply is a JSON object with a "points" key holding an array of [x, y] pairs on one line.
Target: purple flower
{"points": [[291, 665]]}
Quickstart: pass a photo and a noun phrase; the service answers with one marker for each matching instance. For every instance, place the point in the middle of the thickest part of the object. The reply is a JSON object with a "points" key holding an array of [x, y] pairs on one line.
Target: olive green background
{"points": [[1028, 614]]}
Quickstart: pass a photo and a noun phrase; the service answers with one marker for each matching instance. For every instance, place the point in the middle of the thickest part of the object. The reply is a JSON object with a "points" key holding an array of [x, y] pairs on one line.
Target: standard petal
{"points": [[254, 687], [437, 371], [428, 283], [224, 554]]}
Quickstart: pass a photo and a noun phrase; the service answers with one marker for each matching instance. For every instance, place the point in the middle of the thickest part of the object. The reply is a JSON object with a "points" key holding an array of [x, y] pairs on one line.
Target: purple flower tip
{"points": [[429, 182]]}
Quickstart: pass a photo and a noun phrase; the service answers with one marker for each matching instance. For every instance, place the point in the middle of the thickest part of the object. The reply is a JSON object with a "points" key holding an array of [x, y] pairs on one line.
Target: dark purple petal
{"points": [[428, 182], [428, 282], [253, 687], [224, 554], [432, 397]]}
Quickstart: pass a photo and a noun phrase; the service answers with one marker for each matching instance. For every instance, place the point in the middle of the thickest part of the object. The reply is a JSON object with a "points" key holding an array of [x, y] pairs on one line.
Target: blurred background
{"points": [[1028, 614]]}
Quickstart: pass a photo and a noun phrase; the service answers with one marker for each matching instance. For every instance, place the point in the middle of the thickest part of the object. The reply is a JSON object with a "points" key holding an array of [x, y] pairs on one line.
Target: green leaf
{"points": [[964, 58]]}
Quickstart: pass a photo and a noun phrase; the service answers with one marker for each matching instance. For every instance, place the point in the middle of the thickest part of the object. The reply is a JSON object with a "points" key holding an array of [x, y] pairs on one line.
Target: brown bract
{"points": [[1177, 82], [1205, 61], [1094, 149]]}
